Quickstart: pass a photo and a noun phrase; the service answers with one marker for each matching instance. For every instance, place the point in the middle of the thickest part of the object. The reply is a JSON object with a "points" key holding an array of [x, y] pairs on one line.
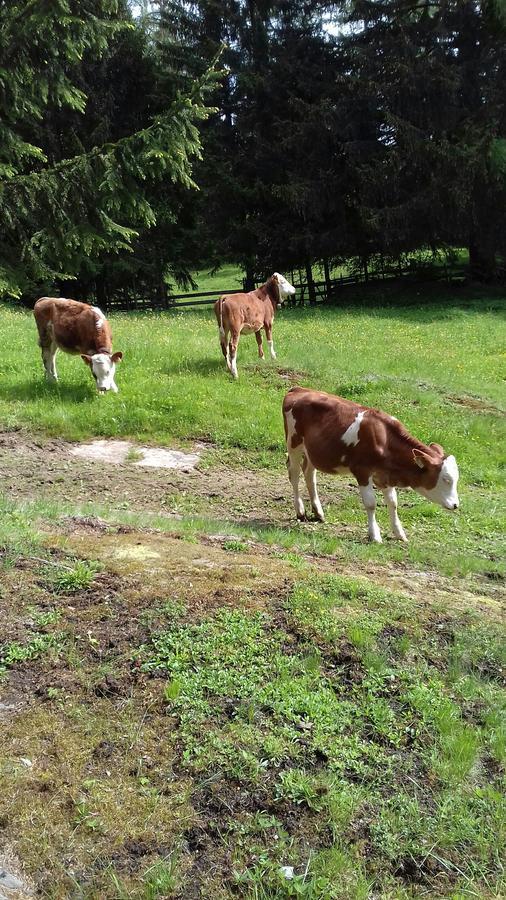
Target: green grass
{"points": [[394, 754], [419, 363], [439, 367]]}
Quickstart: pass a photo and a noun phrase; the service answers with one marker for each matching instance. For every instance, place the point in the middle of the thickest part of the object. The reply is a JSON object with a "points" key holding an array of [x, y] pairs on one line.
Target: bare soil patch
{"points": [[47, 469]]}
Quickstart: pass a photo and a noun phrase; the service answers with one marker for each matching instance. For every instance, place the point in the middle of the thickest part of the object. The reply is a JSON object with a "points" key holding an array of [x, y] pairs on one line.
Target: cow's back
{"points": [[74, 326], [325, 423], [236, 309]]}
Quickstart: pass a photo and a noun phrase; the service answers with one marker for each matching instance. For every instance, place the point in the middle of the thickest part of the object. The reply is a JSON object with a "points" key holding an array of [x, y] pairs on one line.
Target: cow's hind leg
{"points": [[224, 346], [293, 462], [232, 349], [369, 501], [258, 335], [390, 495], [48, 350], [310, 478]]}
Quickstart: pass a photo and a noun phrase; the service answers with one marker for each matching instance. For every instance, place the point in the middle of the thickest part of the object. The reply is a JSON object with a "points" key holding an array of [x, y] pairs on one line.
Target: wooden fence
{"points": [[329, 291], [319, 292]]}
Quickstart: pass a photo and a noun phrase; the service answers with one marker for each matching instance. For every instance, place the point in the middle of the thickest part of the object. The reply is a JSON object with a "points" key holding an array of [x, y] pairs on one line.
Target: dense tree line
{"points": [[359, 129]]}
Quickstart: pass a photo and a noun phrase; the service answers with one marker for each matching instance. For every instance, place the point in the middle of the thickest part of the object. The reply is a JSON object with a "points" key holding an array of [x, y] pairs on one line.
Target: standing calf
{"points": [[331, 434], [246, 313], [76, 328]]}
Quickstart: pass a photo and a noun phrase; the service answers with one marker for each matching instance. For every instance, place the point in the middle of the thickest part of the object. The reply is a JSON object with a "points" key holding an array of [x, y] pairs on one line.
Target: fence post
{"points": [[310, 284]]}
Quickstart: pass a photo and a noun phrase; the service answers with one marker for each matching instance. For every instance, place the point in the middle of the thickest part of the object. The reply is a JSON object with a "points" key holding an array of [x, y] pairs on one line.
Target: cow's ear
{"points": [[117, 357], [438, 450], [86, 359], [422, 459]]}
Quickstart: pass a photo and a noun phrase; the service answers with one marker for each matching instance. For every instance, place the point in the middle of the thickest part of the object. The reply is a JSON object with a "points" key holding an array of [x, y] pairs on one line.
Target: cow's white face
{"points": [[103, 368], [284, 287], [445, 491]]}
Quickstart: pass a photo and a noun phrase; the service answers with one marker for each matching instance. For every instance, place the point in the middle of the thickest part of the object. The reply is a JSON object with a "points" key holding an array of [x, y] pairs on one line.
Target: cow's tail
{"points": [[222, 330]]}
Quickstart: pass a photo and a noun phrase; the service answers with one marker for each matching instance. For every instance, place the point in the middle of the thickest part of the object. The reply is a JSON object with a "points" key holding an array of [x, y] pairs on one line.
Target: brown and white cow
{"points": [[76, 328], [331, 434], [246, 313]]}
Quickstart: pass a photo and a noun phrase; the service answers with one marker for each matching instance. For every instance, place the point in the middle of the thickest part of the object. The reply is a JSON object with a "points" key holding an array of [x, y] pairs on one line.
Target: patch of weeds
{"points": [[39, 644], [301, 787], [42, 618], [133, 455], [161, 879], [66, 579], [235, 546]]}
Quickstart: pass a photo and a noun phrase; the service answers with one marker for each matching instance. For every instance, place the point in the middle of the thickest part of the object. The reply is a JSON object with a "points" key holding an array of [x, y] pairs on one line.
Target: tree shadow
{"points": [[36, 389]]}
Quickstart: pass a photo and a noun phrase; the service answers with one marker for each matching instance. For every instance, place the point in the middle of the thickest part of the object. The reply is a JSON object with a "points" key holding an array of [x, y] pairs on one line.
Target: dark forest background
{"points": [[357, 132]]}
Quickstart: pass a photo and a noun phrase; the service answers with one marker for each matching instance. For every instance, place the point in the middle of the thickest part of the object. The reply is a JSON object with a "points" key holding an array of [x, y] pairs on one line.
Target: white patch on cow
{"points": [[100, 317], [445, 491], [343, 458], [271, 349], [103, 370], [290, 426], [233, 365], [350, 436], [285, 288]]}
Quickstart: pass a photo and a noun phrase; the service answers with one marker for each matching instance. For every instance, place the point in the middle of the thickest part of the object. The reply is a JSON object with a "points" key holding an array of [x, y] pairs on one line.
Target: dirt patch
{"points": [[159, 568], [476, 404], [46, 469], [126, 451]]}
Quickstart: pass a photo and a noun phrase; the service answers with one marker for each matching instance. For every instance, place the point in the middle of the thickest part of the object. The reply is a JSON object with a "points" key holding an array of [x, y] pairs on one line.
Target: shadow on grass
{"points": [[209, 366], [412, 302], [35, 389]]}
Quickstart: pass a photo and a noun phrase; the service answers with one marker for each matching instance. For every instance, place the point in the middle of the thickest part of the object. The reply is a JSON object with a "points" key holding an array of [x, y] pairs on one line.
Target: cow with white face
{"points": [[334, 435], [248, 313], [76, 328]]}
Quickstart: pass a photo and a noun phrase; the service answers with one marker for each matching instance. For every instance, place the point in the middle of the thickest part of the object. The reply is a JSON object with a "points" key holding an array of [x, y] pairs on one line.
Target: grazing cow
{"points": [[335, 435], [246, 313], [76, 328]]}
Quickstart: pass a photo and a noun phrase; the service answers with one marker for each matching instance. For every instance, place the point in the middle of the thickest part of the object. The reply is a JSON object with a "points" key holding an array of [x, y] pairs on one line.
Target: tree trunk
{"points": [[249, 279], [482, 261], [310, 284]]}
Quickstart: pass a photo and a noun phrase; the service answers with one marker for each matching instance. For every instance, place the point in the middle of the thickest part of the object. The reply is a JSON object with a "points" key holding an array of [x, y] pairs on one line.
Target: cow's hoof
{"points": [[375, 539], [318, 517], [301, 517]]}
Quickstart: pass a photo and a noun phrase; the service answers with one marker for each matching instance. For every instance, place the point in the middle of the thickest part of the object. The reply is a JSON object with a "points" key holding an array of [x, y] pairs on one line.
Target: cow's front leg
{"points": [[293, 463], [369, 501], [258, 335], [310, 478], [268, 335], [232, 349], [390, 495]]}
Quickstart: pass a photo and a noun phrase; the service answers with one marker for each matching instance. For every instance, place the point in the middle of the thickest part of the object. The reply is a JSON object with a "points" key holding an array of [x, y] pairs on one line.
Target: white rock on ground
{"points": [[112, 451]]}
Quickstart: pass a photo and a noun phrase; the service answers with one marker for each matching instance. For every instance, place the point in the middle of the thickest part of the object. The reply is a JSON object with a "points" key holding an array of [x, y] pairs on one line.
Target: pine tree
{"points": [[432, 78], [57, 215]]}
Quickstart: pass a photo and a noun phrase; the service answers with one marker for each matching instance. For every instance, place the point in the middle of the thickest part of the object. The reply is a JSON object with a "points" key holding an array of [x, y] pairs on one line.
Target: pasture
{"points": [[203, 697]]}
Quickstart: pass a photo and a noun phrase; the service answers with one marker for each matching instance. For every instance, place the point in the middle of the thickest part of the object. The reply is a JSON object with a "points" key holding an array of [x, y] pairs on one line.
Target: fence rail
{"points": [[317, 292]]}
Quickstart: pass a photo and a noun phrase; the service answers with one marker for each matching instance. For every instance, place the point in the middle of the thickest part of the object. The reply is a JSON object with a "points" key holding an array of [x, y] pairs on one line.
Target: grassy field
{"points": [[202, 698]]}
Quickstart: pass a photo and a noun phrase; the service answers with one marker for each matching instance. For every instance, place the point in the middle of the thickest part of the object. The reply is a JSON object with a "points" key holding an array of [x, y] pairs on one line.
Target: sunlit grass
{"points": [[436, 367]]}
